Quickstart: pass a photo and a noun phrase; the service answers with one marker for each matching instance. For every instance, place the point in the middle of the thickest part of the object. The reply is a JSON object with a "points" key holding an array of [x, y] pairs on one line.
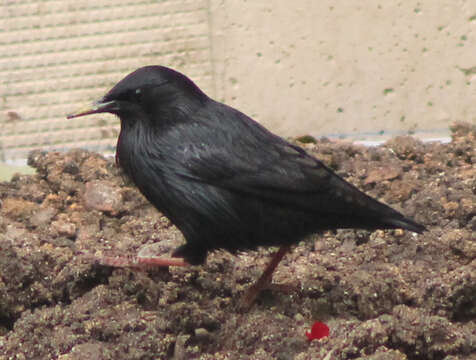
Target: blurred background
{"points": [[355, 70]]}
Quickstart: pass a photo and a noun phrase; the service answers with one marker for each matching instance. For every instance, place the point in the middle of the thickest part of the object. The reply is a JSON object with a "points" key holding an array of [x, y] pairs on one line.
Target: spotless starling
{"points": [[224, 180]]}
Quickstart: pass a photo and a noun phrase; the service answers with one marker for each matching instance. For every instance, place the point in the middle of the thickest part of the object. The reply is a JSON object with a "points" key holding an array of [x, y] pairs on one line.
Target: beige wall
{"points": [[320, 67], [347, 67], [56, 55]]}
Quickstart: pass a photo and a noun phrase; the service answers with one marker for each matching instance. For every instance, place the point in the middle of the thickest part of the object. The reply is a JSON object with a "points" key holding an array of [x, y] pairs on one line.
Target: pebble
{"points": [[102, 196], [202, 334]]}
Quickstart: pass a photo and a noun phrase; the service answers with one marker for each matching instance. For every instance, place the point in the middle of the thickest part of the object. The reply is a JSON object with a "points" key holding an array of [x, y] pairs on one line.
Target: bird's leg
{"points": [[147, 257], [265, 280], [140, 261]]}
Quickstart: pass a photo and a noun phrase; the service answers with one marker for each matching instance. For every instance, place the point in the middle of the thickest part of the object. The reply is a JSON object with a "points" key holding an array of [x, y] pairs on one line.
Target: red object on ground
{"points": [[319, 330]]}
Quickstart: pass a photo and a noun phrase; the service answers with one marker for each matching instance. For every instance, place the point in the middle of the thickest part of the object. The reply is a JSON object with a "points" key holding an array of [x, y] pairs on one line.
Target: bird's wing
{"points": [[274, 170], [230, 151]]}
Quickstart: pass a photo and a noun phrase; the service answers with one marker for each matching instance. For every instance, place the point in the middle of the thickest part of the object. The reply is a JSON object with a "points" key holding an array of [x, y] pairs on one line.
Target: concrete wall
{"points": [[347, 67], [56, 55], [340, 68]]}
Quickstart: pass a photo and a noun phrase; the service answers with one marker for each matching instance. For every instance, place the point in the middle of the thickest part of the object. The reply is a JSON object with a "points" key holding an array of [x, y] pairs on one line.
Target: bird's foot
{"points": [[149, 256], [264, 282], [252, 293], [139, 262], [161, 262]]}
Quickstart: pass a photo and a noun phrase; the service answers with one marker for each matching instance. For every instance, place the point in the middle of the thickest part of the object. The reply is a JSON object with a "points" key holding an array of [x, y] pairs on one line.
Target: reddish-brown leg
{"points": [[140, 262], [265, 280], [147, 257]]}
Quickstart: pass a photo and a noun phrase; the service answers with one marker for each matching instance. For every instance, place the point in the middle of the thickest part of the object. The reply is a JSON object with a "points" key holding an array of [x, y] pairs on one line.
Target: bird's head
{"points": [[151, 92]]}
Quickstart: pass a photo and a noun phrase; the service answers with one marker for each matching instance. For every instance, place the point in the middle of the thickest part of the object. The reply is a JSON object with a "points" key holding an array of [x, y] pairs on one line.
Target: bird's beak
{"points": [[95, 108]]}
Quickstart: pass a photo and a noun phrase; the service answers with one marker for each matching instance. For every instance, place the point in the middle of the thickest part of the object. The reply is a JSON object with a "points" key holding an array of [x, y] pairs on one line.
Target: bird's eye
{"points": [[138, 95]]}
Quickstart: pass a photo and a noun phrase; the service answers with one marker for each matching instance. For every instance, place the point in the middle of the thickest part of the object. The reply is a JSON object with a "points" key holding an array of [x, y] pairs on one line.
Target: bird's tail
{"points": [[404, 223]]}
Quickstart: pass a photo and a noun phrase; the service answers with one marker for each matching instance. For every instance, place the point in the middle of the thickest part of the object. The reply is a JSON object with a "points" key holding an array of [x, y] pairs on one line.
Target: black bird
{"points": [[223, 179]]}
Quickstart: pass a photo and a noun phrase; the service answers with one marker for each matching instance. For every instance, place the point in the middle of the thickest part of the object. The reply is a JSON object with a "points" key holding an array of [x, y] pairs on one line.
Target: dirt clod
{"points": [[385, 295]]}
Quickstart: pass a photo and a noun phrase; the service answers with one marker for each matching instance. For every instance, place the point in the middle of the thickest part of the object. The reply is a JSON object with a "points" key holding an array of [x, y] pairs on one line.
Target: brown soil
{"points": [[384, 295]]}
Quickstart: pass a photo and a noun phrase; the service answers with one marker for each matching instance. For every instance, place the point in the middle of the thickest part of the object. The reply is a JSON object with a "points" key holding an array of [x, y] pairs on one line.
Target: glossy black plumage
{"points": [[224, 180]]}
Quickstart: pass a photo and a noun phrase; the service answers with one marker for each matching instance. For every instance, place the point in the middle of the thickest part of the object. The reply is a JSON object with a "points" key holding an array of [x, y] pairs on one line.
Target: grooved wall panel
{"points": [[57, 55]]}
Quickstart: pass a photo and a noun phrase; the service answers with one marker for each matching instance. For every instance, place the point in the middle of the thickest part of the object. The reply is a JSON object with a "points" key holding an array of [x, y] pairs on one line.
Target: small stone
{"points": [[383, 173], [398, 232], [202, 334], [64, 228], [43, 216], [100, 195], [14, 233]]}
